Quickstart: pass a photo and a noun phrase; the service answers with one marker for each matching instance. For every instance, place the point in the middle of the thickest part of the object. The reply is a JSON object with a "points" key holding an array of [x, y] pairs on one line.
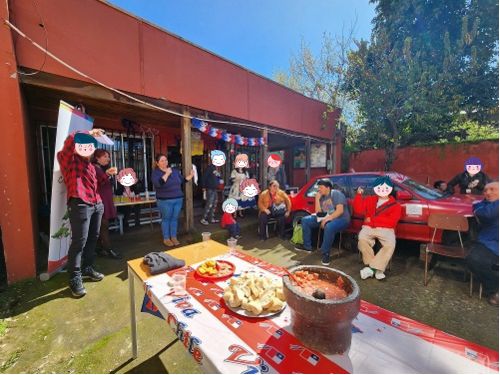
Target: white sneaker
{"points": [[379, 275], [366, 272]]}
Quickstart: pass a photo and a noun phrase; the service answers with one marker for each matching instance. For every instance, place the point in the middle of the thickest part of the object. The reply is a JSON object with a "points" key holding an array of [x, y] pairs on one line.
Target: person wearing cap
{"points": [[472, 180], [332, 215], [382, 213], [85, 206]]}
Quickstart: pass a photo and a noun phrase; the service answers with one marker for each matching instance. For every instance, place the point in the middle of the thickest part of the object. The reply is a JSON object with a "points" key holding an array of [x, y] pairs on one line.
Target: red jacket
{"points": [[387, 217], [227, 219]]}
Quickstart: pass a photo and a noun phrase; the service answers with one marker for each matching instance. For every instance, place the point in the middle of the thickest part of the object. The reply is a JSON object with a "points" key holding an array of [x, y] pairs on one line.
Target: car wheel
{"points": [[297, 216]]}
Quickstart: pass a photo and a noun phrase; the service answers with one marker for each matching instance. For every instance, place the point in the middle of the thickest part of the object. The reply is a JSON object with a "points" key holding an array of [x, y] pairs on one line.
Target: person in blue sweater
{"points": [[168, 183], [483, 257]]}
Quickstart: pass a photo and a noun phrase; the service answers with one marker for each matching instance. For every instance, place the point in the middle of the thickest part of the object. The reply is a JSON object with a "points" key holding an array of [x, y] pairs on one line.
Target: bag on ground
{"points": [[297, 238]]}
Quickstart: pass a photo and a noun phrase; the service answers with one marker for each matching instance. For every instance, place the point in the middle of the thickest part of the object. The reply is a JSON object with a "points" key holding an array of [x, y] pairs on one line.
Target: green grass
{"points": [[14, 357], [96, 357], [3, 327]]}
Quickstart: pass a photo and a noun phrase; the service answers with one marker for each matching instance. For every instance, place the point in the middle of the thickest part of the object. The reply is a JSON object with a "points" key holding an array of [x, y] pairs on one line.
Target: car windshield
{"points": [[422, 190]]}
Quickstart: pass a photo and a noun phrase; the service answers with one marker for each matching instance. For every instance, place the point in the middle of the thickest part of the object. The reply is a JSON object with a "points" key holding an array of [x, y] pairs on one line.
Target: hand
{"points": [[360, 190], [287, 214], [368, 220], [324, 222], [191, 174], [112, 171], [168, 171], [96, 132], [473, 184], [267, 212], [318, 195]]}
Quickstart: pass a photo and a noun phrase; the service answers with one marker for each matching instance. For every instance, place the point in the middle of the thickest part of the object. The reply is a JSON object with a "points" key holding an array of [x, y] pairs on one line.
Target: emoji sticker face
{"points": [[473, 169], [127, 177], [241, 161], [250, 187], [127, 180], [250, 191], [218, 158], [230, 206], [274, 160], [84, 149], [382, 190]]}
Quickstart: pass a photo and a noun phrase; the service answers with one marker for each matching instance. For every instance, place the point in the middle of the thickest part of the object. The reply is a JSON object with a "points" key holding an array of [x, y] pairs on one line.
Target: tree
{"points": [[427, 62], [321, 77]]}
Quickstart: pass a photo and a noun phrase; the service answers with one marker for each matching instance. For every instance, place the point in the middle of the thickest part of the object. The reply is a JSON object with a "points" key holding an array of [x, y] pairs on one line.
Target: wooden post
{"points": [[333, 155], [308, 159], [262, 160], [186, 169]]}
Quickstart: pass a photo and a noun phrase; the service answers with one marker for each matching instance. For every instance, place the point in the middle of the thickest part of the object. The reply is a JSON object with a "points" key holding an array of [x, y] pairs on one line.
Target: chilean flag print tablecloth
{"points": [[224, 342]]}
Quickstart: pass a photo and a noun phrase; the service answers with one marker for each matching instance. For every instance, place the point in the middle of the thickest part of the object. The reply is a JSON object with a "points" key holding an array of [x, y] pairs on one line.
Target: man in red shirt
{"points": [[84, 206], [382, 214]]}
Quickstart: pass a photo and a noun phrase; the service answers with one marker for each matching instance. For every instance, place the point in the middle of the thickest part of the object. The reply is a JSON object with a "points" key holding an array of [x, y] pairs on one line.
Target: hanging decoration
{"points": [[133, 127], [217, 133]]}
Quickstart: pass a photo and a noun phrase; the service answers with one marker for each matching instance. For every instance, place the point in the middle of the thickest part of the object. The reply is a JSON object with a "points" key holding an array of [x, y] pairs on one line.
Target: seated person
{"points": [[129, 209], [441, 186], [332, 215], [482, 259], [229, 207], [382, 213], [273, 203]]}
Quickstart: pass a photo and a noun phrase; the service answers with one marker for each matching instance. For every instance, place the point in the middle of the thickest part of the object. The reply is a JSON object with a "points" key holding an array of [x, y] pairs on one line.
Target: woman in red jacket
{"points": [[382, 214]]}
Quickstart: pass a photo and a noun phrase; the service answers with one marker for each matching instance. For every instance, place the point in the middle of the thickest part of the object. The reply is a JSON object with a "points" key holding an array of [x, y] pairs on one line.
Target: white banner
{"points": [[69, 120]]}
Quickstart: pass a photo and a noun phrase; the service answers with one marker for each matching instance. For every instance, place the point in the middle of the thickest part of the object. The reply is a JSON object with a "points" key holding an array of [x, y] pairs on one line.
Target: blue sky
{"points": [[260, 35]]}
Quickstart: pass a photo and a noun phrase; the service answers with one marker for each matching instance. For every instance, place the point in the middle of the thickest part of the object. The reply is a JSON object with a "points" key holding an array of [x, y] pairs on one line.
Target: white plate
{"points": [[243, 312]]}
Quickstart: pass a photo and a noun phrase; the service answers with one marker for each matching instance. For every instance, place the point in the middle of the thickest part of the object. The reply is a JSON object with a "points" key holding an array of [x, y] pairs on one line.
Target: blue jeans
{"points": [[234, 229], [169, 210], [330, 230]]}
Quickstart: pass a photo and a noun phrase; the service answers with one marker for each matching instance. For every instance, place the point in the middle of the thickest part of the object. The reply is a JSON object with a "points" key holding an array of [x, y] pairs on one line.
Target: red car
{"points": [[417, 202]]}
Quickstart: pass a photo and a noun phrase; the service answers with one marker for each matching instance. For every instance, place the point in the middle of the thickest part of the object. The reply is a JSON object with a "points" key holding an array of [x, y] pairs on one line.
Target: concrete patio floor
{"points": [[43, 329]]}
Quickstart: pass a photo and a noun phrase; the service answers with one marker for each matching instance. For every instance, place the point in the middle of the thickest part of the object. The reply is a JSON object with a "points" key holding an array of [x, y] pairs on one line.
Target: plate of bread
{"points": [[255, 296]]}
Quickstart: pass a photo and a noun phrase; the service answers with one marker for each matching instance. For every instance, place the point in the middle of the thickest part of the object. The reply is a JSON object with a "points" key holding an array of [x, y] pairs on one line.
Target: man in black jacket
{"points": [[209, 182], [472, 180]]}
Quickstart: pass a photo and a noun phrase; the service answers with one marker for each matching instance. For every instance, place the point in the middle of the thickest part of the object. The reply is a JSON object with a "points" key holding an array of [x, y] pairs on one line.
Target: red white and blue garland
{"points": [[217, 133]]}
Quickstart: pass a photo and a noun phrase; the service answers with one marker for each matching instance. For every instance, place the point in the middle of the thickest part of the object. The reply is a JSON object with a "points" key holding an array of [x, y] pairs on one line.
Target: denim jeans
{"points": [[210, 204], [85, 222], [169, 211], [331, 229], [234, 229]]}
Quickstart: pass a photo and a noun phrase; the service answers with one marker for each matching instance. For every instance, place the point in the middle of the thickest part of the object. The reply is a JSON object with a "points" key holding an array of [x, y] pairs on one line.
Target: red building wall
{"points": [[431, 163], [16, 209], [132, 55]]}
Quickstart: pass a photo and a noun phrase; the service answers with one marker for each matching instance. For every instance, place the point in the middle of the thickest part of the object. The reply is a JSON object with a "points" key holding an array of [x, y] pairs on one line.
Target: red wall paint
{"points": [[130, 55], [431, 163], [16, 220]]}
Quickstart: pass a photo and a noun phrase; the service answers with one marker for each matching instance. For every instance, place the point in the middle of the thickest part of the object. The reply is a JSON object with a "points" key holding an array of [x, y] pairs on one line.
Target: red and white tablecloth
{"points": [[382, 342]]}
